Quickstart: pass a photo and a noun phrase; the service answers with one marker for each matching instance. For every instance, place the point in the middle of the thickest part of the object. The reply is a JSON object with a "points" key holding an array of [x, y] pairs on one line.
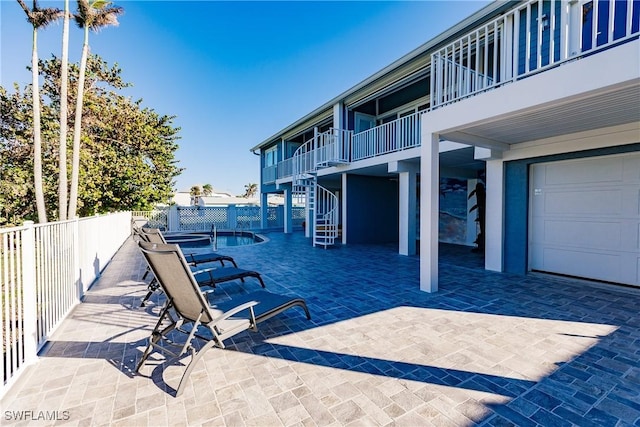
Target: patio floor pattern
{"points": [[488, 349]]}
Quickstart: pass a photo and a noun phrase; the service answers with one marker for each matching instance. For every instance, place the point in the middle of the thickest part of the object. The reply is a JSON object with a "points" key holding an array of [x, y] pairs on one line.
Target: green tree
{"points": [[250, 190], [38, 18], [92, 15], [127, 156], [207, 189]]}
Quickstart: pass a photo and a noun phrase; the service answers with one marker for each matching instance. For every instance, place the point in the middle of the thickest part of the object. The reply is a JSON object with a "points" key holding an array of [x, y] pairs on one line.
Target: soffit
{"points": [[611, 108]]}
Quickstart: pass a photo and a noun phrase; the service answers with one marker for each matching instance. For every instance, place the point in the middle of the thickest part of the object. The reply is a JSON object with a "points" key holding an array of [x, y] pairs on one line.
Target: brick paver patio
{"points": [[488, 349]]}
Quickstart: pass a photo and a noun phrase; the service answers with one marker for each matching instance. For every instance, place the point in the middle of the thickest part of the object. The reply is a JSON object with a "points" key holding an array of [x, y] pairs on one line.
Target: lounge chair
{"points": [[187, 312], [154, 235], [209, 277]]}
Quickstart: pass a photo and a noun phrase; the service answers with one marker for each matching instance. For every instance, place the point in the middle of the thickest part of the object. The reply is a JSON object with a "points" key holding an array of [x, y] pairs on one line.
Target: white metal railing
{"points": [[394, 136], [269, 174], [324, 149], [326, 217], [333, 147], [537, 35], [285, 168], [44, 271]]}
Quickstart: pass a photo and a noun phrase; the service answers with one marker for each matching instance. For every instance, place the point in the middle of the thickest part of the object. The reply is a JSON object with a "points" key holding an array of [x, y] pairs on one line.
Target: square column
{"points": [[407, 178], [494, 224], [288, 210], [429, 209], [344, 208]]}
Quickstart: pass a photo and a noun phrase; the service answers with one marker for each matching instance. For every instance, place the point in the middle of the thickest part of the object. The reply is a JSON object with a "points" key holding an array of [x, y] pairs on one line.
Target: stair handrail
{"points": [[328, 219]]}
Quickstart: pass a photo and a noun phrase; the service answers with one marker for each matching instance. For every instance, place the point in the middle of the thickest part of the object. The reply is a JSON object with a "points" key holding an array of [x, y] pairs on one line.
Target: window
{"points": [[271, 156]]}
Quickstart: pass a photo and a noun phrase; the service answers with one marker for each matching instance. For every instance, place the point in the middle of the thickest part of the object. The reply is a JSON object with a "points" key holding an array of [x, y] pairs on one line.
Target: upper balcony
{"points": [[532, 38]]}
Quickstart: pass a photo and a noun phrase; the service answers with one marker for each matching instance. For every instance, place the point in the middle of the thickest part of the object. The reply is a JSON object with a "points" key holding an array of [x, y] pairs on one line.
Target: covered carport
{"points": [[581, 110]]}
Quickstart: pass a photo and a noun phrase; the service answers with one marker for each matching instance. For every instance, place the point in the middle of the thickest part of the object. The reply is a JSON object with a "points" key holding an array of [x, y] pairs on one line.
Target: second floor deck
{"points": [[531, 38]]}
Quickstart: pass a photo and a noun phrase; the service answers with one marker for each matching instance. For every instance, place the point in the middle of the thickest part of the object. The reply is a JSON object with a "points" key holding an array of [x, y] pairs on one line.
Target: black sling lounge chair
{"points": [[208, 277], [154, 235], [187, 313]]}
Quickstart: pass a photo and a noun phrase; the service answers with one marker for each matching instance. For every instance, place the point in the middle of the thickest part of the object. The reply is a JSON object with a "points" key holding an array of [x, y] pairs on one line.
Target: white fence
{"points": [[44, 271], [204, 218]]}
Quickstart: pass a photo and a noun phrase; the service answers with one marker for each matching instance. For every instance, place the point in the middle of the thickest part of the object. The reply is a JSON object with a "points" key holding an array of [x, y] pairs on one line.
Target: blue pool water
{"points": [[224, 240]]}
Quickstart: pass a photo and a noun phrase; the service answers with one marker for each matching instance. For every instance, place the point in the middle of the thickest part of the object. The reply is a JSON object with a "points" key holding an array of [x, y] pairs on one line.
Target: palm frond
{"points": [[38, 17], [105, 17], [44, 17]]}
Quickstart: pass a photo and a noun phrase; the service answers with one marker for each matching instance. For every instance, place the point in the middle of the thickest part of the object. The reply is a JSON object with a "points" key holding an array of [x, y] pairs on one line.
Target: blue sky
{"points": [[234, 73]]}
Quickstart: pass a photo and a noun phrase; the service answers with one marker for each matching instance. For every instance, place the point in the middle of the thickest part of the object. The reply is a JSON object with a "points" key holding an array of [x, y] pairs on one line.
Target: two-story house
{"points": [[536, 101]]}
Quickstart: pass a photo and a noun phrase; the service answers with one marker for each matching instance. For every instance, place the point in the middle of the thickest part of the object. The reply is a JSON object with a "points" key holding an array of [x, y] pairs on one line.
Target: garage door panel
{"points": [[599, 202], [600, 235], [585, 218], [582, 172], [595, 265]]}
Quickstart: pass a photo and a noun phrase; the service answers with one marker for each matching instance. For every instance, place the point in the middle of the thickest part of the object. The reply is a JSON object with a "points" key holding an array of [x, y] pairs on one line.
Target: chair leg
{"points": [[194, 359], [153, 286]]}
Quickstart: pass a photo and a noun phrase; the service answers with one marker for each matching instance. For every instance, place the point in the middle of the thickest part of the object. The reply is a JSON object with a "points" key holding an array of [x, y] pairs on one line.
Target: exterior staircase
{"points": [[324, 150]]}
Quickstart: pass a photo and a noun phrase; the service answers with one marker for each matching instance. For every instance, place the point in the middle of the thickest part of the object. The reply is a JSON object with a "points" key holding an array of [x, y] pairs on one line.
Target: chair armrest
{"points": [[247, 305], [204, 270]]}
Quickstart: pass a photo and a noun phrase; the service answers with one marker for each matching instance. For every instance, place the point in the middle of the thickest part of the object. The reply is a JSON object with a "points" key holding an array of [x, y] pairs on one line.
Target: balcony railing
{"points": [[269, 174], [285, 168], [535, 36], [531, 38], [394, 136]]}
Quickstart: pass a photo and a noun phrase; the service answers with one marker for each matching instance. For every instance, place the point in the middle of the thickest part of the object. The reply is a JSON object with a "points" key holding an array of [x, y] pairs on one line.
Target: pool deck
{"points": [[488, 349]]}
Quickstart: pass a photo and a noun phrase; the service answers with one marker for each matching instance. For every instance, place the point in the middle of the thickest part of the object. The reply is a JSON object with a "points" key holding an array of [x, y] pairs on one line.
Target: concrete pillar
{"points": [[494, 223], [429, 209], [407, 176], [288, 210], [344, 208]]}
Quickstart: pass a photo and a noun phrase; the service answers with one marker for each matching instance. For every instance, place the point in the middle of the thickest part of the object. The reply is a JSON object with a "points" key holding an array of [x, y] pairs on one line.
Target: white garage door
{"points": [[585, 218]]}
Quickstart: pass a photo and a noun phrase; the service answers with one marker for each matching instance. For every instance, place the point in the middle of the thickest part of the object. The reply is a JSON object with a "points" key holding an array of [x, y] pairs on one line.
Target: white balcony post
{"points": [[407, 180], [29, 293]]}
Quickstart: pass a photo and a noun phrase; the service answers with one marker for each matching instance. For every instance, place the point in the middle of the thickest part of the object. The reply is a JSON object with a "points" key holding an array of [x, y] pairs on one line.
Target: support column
{"points": [[288, 210], [407, 175], [429, 209], [264, 204], [494, 224], [344, 208]]}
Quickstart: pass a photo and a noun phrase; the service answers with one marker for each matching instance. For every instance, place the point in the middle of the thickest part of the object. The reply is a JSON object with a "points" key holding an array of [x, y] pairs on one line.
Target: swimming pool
{"points": [[224, 239]]}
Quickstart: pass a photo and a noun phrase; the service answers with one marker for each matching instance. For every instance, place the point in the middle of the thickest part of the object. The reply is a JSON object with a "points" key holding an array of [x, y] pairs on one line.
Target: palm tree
{"points": [[207, 189], [250, 190], [195, 192], [92, 15], [38, 18], [64, 112]]}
